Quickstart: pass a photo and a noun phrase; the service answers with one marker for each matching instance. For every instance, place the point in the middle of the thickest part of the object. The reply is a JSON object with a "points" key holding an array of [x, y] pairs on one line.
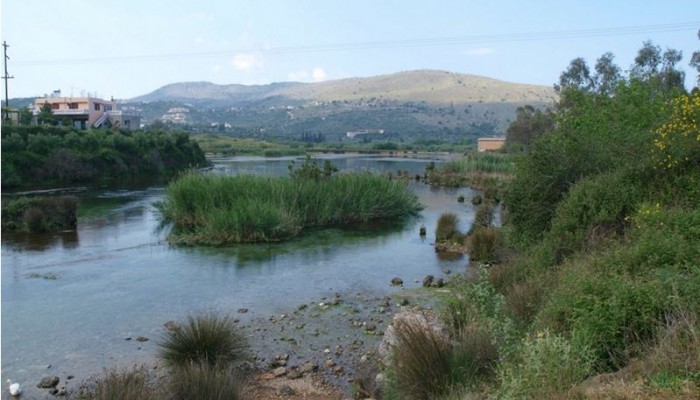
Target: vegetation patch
{"points": [[210, 209], [40, 214]]}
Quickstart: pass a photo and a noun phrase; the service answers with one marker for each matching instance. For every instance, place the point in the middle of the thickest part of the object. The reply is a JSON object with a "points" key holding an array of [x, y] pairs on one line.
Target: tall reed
{"points": [[211, 209]]}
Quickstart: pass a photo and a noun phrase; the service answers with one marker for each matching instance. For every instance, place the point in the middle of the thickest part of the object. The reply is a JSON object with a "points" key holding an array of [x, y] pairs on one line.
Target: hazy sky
{"points": [[128, 48]]}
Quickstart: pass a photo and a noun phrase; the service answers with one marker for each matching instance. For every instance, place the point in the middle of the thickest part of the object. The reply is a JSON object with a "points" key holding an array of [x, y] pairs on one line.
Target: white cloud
{"points": [[480, 51], [319, 74], [246, 62]]}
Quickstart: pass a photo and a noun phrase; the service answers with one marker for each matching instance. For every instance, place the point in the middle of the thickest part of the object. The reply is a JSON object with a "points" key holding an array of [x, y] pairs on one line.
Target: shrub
{"points": [[420, 362], [203, 381], [204, 339], [120, 385], [548, 366], [38, 214], [483, 216], [614, 312], [446, 227], [482, 244], [524, 299]]}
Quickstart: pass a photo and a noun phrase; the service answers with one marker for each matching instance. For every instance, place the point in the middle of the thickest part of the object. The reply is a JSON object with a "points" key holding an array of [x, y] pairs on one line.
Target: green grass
{"points": [[204, 339], [134, 384], [210, 209], [202, 381]]}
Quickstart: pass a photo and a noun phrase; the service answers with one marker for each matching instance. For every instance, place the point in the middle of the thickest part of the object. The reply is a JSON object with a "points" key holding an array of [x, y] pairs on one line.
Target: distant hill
{"points": [[404, 105], [430, 86]]}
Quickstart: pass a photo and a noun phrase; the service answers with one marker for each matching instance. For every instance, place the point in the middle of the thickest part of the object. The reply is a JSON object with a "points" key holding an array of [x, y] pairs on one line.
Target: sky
{"points": [[126, 48]]}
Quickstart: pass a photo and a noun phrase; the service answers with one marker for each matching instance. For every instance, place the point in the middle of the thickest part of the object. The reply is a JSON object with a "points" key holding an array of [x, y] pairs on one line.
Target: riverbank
{"points": [[312, 351]]}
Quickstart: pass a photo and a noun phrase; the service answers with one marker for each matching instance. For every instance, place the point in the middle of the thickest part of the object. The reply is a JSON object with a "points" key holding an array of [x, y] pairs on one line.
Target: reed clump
{"points": [[214, 210]]}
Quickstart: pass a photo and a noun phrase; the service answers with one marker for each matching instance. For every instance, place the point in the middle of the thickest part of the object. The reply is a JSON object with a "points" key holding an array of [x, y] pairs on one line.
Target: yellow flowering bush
{"points": [[677, 143]]}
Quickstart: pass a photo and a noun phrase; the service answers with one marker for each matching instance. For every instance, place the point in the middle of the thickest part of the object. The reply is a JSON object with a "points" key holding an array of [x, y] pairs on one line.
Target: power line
{"points": [[401, 43]]}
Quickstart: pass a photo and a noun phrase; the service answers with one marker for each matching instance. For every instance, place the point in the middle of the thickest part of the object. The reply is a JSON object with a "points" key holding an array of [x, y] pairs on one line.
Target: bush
{"points": [[482, 244], [39, 214], [120, 385], [483, 216], [203, 381], [204, 339], [446, 227], [548, 366], [614, 312], [421, 362]]}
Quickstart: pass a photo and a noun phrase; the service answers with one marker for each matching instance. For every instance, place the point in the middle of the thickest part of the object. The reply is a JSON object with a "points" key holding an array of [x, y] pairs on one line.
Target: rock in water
{"points": [[15, 389], [48, 382]]}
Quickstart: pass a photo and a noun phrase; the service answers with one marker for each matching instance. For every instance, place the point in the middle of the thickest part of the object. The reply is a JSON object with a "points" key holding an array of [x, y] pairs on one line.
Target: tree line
{"points": [[48, 155]]}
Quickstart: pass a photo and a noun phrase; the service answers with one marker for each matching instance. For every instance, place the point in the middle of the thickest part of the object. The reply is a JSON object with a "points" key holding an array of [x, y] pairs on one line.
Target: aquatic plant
{"points": [[210, 209]]}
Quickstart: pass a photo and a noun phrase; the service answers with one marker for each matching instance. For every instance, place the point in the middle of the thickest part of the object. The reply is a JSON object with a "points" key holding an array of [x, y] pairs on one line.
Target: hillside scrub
{"points": [[215, 210], [55, 155], [602, 237]]}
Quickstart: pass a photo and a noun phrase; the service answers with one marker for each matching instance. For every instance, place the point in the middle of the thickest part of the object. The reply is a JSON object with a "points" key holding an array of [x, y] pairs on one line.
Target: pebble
{"points": [[242, 310], [142, 339], [286, 390], [281, 371]]}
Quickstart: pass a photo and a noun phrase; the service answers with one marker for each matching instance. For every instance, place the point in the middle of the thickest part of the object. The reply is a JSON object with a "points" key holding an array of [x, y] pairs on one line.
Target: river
{"points": [[70, 300]]}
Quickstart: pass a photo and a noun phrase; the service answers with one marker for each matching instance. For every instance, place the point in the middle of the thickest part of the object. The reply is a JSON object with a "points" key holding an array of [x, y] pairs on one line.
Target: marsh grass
{"points": [[420, 363], [482, 244], [210, 209], [134, 384], [203, 381], [426, 365], [446, 227], [39, 214], [204, 339]]}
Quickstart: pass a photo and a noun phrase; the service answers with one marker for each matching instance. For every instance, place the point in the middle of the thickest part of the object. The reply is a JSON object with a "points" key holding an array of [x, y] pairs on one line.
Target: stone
{"points": [[370, 327], [308, 368], [172, 325], [53, 391], [396, 281], [281, 371], [439, 282], [338, 370], [428, 280], [242, 310], [476, 200], [48, 382], [142, 339], [330, 363], [295, 374], [286, 390]]}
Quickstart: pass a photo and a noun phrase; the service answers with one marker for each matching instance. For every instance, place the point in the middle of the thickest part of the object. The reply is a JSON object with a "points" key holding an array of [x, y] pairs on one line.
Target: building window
{"points": [[97, 107], [108, 107], [55, 106], [73, 106]]}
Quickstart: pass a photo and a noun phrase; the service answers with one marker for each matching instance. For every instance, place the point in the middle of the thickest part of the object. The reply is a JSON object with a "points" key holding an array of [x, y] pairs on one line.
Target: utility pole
{"points": [[6, 77]]}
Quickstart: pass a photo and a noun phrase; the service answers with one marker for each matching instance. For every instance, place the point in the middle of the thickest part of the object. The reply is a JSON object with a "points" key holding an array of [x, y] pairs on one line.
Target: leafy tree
{"points": [[658, 69], [608, 75], [25, 116], [577, 76], [46, 116], [695, 62], [529, 123]]}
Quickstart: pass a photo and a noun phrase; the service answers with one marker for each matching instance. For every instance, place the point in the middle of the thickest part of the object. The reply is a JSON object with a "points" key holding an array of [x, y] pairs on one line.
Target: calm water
{"points": [[69, 300]]}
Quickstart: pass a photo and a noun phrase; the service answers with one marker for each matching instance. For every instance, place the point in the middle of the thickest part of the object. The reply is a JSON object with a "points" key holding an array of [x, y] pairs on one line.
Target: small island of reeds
{"points": [[215, 210]]}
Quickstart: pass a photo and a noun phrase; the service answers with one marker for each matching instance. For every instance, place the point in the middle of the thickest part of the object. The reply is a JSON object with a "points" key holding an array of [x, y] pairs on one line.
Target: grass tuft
{"points": [[204, 339]]}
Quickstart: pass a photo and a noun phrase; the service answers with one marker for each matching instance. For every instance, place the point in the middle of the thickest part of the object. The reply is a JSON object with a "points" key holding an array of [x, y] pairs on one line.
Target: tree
{"points": [[695, 63], [657, 68], [25, 116], [608, 75], [46, 116], [529, 123], [577, 76]]}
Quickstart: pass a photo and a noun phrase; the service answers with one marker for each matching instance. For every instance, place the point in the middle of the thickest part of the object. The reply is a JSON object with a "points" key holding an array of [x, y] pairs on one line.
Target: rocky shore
{"points": [[312, 350]]}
